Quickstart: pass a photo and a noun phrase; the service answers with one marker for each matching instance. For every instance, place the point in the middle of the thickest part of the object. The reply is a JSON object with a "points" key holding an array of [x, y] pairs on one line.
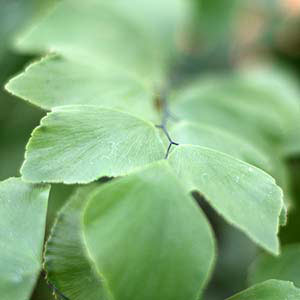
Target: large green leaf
{"points": [[244, 195], [67, 260], [284, 267], [159, 223], [269, 290], [23, 209], [78, 144], [56, 81], [148, 237]]}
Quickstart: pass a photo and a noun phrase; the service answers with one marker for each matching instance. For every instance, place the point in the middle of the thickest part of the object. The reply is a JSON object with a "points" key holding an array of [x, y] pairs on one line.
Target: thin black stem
{"points": [[163, 126]]}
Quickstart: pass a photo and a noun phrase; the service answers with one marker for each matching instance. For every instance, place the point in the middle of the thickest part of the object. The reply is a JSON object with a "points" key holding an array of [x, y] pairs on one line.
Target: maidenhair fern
{"points": [[115, 110]]}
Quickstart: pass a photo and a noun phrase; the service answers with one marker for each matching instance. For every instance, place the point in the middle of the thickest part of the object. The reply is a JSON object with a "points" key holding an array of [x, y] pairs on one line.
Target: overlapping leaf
{"points": [[67, 260], [245, 196], [269, 290], [56, 81], [78, 144], [219, 139], [170, 258], [83, 143], [23, 210]]}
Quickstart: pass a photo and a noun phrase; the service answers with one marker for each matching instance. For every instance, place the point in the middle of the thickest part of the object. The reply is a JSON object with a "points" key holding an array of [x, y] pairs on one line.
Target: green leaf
{"points": [[284, 267], [269, 290], [262, 113], [67, 261], [212, 137], [23, 209], [245, 196], [291, 145], [136, 35], [79, 144], [221, 140], [141, 195], [56, 81], [148, 237], [13, 16]]}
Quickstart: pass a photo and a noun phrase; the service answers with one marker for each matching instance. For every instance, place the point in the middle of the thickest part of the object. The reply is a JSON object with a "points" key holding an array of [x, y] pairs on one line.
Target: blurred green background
{"points": [[223, 35]]}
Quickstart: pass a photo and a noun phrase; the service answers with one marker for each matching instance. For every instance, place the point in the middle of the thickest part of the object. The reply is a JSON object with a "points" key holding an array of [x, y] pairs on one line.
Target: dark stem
{"points": [[163, 126]]}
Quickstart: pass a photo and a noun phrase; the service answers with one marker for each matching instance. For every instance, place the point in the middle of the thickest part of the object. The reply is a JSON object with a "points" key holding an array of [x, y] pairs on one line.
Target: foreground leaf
{"points": [[78, 144], [269, 290], [245, 196], [284, 267], [67, 260], [223, 141], [23, 209], [148, 238]]}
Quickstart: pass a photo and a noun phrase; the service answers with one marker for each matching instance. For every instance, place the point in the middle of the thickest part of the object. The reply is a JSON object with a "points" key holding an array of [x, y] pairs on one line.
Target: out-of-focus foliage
{"points": [[284, 267], [269, 290], [16, 119], [252, 114]]}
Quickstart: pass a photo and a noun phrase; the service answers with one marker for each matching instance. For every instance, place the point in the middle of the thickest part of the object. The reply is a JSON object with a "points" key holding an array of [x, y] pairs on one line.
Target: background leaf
{"points": [[136, 35], [269, 290], [67, 261], [284, 267], [263, 113], [56, 81]]}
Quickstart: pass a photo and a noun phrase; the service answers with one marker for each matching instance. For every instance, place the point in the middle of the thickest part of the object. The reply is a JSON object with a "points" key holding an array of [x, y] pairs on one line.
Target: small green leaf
{"points": [[148, 237], [79, 144], [23, 209], [284, 267], [269, 290], [67, 261], [56, 81], [245, 196]]}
